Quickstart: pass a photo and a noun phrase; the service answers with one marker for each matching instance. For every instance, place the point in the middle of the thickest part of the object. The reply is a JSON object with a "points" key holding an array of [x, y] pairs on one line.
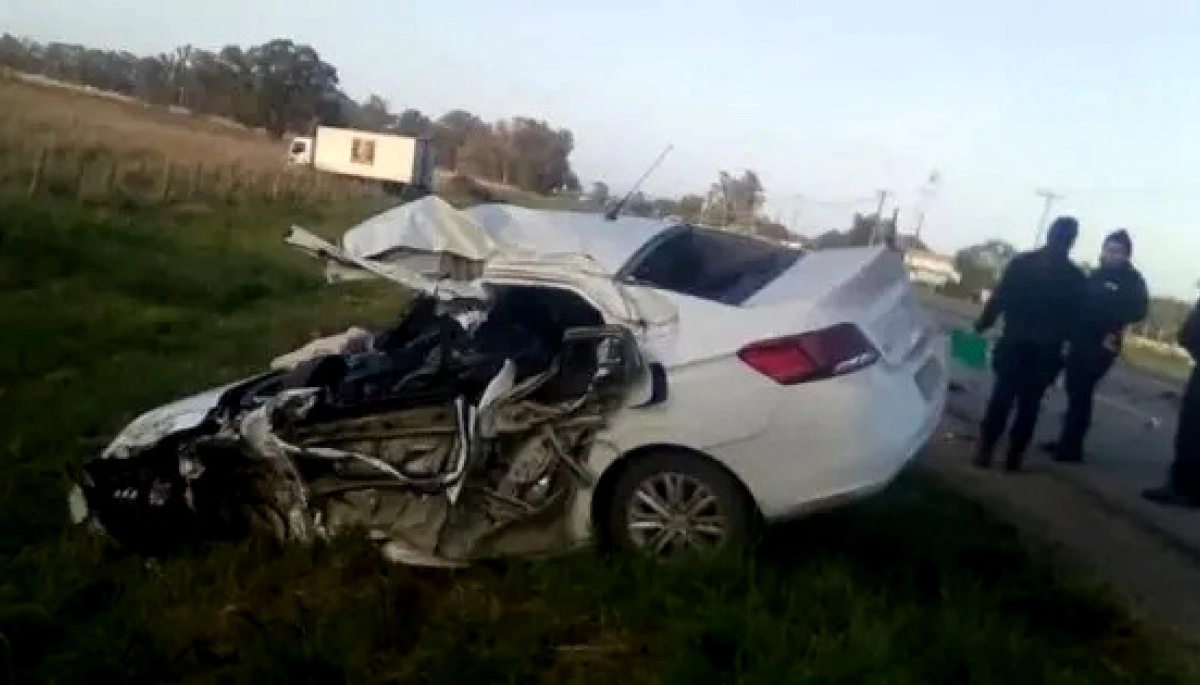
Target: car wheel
{"points": [[671, 503]]}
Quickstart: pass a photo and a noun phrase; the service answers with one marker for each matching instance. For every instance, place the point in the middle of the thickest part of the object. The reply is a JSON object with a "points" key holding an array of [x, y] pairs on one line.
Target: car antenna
{"points": [[615, 211]]}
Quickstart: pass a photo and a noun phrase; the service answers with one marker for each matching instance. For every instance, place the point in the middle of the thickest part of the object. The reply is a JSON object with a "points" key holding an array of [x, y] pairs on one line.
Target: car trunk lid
{"points": [[866, 286]]}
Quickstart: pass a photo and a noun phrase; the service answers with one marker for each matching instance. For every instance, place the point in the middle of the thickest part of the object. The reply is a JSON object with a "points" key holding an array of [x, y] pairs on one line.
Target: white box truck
{"points": [[401, 163]]}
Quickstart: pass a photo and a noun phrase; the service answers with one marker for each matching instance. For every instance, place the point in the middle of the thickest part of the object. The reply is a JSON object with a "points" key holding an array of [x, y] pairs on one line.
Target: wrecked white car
{"points": [[560, 377]]}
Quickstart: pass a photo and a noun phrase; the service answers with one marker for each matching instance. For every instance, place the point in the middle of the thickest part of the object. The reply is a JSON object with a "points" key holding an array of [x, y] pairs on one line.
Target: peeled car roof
{"points": [[482, 232], [609, 243]]}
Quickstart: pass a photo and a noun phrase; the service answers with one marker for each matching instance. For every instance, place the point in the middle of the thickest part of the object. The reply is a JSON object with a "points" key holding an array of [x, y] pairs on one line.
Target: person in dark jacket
{"points": [[1116, 298], [1038, 296], [1183, 480]]}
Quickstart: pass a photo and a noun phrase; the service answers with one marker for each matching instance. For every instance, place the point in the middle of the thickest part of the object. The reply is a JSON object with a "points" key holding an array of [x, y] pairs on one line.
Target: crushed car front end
{"points": [[462, 431], [443, 442]]}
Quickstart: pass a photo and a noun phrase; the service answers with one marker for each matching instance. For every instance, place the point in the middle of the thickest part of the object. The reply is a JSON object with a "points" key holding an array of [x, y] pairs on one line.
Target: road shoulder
{"points": [[1157, 582]]}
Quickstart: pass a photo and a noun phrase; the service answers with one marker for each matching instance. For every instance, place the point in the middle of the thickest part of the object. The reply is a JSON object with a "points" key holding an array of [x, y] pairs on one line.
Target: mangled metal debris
{"points": [[443, 442], [461, 431]]}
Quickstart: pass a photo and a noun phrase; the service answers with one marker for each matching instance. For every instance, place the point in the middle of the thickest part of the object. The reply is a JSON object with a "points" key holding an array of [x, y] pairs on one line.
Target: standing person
{"points": [[1116, 298], [1038, 295], [1183, 481]]}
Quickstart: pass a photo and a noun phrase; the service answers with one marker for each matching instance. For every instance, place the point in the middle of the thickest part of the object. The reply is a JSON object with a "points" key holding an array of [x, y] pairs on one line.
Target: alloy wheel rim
{"points": [[673, 512]]}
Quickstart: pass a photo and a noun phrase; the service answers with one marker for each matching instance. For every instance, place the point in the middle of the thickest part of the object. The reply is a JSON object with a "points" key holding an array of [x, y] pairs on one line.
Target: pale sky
{"points": [[827, 101]]}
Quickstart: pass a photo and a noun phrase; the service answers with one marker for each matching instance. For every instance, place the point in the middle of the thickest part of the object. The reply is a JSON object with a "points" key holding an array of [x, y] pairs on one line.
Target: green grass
{"points": [[1156, 363], [106, 314]]}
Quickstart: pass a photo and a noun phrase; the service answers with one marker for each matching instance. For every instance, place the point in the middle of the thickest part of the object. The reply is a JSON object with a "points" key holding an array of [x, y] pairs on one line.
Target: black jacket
{"points": [[1115, 299], [1039, 295]]}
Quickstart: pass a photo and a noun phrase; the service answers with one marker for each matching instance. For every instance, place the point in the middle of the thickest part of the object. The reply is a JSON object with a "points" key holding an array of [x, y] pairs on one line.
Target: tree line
{"points": [[286, 87]]}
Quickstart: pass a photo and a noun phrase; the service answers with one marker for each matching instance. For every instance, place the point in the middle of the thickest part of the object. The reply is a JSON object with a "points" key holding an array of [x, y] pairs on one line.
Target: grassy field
{"points": [[62, 144], [109, 308]]}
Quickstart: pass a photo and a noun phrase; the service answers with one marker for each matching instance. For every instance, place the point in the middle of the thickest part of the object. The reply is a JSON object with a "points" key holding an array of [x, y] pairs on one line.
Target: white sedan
{"points": [[656, 385]]}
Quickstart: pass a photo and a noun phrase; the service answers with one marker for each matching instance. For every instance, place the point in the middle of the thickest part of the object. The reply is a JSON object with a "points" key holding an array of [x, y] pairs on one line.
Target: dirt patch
{"points": [[1156, 582]]}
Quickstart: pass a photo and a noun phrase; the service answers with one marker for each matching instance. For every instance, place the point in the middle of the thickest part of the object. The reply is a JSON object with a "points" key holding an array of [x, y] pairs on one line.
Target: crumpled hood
{"points": [[156, 424]]}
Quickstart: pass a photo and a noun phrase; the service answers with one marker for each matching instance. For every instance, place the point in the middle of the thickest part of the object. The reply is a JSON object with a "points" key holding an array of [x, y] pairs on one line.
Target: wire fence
{"points": [[98, 175]]}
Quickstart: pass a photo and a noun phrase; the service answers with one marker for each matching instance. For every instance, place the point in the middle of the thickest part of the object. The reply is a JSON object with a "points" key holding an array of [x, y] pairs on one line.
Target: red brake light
{"points": [[833, 351]]}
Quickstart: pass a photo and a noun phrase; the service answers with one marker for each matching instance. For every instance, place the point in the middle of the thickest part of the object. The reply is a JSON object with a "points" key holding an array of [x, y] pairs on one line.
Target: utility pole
{"points": [[1048, 200], [927, 191], [893, 233], [883, 196]]}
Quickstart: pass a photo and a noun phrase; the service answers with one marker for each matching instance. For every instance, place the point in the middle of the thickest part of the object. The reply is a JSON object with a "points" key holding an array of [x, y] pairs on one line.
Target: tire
{"points": [[643, 490]]}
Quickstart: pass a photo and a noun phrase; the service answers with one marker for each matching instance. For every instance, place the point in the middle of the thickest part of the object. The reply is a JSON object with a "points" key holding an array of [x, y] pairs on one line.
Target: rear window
{"points": [[710, 264]]}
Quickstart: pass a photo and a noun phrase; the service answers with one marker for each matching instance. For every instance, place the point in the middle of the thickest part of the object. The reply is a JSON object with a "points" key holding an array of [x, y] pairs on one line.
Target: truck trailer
{"points": [[401, 163]]}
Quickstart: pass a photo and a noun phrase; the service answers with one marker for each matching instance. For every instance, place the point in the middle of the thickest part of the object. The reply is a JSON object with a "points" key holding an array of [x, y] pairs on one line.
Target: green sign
{"points": [[970, 348]]}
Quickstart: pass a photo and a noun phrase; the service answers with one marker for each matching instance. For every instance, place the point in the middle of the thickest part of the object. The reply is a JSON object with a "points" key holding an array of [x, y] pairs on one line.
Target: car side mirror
{"points": [[611, 350]]}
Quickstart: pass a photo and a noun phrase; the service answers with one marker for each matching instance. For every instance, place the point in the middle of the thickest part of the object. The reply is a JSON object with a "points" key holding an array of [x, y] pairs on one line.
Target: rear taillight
{"points": [[811, 356]]}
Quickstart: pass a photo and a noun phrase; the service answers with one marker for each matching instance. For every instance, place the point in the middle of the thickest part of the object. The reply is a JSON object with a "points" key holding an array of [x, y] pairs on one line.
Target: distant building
{"points": [[930, 268]]}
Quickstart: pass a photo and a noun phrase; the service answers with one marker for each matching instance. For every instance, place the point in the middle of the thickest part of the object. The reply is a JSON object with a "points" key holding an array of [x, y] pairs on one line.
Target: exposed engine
{"points": [[449, 436]]}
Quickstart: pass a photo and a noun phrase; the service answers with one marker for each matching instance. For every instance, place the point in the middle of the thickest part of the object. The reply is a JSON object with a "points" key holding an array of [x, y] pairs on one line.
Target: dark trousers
{"points": [[1086, 367], [1023, 373], [1185, 469]]}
